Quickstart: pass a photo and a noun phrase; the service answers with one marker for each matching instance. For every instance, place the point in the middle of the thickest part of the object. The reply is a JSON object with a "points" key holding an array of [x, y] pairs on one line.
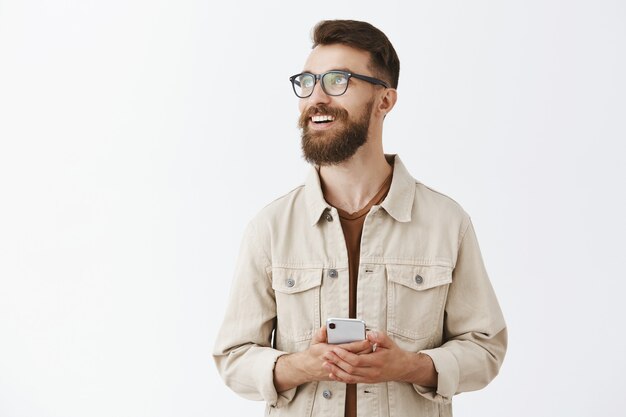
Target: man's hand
{"points": [[387, 362], [297, 368]]}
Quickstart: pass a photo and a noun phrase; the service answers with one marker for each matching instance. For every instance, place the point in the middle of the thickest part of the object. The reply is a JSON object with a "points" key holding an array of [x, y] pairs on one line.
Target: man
{"points": [[360, 239]]}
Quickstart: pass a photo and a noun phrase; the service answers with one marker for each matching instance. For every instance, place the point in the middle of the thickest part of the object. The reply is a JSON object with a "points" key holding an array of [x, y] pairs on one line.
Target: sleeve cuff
{"points": [[447, 376], [268, 390]]}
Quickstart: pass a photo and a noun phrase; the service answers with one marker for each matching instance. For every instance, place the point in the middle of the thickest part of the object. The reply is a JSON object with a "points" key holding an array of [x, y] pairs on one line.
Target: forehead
{"points": [[337, 56]]}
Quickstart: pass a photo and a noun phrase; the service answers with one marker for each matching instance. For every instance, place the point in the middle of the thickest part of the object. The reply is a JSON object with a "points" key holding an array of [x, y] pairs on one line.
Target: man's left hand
{"points": [[388, 362]]}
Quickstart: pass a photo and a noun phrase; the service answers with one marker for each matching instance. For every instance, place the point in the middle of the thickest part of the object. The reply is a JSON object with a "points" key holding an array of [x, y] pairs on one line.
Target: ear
{"points": [[387, 101]]}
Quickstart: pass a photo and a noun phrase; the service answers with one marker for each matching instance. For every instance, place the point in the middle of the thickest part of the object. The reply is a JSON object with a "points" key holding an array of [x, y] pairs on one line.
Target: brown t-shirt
{"points": [[352, 225]]}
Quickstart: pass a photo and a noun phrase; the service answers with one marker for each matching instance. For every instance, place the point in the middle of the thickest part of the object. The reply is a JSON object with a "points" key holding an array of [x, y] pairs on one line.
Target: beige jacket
{"points": [[421, 279]]}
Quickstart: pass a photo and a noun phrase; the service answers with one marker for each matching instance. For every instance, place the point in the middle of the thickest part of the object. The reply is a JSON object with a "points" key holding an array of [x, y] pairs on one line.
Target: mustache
{"points": [[335, 112]]}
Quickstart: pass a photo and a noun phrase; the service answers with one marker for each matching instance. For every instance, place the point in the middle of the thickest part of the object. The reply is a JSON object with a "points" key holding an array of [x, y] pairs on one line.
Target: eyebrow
{"points": [[334, 69]]}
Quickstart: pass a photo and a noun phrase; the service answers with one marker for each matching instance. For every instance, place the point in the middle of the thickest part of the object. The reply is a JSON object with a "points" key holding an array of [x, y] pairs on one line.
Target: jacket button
{"points": [[419, 279], [333, 273], [328, 217], [327, 394], [291, 282]]}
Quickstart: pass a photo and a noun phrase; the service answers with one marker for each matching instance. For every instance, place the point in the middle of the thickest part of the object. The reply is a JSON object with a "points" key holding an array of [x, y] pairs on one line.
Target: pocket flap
{"points": [[291, 281], [420, 277]]}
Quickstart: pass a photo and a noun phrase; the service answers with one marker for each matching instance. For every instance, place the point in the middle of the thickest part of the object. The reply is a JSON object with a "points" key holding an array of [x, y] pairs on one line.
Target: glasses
{"points": [[334, 83]]}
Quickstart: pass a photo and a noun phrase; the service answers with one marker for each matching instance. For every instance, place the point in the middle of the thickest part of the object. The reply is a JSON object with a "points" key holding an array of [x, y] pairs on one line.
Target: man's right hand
{"points": [[298, 368]]}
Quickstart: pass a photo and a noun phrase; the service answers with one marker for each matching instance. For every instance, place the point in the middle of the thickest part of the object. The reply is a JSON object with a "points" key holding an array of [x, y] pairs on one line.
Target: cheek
{"points": [[301, 105]]}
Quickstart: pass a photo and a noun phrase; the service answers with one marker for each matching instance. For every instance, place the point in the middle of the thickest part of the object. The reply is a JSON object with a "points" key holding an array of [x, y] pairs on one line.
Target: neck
{"points": [[353, 183]]}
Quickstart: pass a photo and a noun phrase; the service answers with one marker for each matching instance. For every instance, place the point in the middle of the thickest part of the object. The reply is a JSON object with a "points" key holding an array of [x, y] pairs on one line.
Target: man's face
{"points": [[335, 127]]}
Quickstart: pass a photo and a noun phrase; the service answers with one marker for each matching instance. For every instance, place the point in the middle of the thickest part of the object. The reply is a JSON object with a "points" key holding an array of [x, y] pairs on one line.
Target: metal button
{"points": [[327, 394], [291, 282], [328, 217], [333, 273], [419, 279]]}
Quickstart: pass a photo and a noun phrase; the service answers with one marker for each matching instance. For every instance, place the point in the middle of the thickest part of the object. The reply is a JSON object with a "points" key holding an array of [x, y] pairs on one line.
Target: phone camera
{"points": [[331, 325]]}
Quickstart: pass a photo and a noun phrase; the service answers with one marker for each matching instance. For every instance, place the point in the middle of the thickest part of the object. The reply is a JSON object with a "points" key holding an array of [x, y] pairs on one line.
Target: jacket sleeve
{"points": [[243, 353], [475, 335]]}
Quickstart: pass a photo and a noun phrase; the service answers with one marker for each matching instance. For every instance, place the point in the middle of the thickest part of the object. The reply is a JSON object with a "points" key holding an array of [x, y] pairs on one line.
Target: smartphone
{"points": [[344, 330]]}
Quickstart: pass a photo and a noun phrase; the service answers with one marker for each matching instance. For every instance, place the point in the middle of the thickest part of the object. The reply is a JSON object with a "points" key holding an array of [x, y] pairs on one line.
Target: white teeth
{"points": [[322, 118]]}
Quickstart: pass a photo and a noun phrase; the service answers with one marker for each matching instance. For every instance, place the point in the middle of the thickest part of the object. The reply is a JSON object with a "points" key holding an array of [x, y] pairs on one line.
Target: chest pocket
{"points": [[416, 296], [297, 294]]}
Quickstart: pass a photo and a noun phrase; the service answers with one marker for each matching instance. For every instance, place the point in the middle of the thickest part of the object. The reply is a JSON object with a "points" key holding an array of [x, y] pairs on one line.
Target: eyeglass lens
{"points": [[333, 83]]}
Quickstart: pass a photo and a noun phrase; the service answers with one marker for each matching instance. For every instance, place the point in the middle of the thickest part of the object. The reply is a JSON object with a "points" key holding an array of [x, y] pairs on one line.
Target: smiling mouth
{"points": [[322, 119]]}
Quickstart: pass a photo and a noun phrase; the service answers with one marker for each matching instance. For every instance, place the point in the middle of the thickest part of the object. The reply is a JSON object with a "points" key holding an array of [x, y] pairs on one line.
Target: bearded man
{"points": [[360, 239]]}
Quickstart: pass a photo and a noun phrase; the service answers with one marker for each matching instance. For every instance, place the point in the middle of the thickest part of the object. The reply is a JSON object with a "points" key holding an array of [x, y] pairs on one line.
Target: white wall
{"points": [[137, 138]]}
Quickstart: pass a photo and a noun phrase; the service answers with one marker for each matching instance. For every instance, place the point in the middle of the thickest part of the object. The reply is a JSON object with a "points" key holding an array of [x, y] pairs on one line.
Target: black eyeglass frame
{"points": [[348, 75]]}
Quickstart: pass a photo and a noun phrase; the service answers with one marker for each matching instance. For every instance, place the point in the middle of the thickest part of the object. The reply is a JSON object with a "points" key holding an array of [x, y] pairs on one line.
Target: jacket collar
{"points": [[398, 203]]}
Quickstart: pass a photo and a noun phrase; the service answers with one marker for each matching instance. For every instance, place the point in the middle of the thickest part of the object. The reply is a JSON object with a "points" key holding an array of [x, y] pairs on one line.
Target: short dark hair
{"points": [[384, 61]]}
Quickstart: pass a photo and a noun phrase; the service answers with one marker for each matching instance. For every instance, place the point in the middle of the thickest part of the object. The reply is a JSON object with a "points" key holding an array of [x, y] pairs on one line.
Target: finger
{"points": [[347, 361], [328, 368], [380, 339], [332, 359], [338, 374], [357, 346], [370, 360], [319, 336], [361, 349], [342, 371], [364, 375], [369, 349], [343, 355]]}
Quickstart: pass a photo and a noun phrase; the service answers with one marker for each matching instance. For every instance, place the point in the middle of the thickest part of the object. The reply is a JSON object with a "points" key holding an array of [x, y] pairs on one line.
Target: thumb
{"points": [[319, 336], [380, 339]]}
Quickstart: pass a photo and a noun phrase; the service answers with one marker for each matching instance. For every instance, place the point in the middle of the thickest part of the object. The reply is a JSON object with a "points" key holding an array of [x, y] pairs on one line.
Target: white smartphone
{"points": [[344, 330]]}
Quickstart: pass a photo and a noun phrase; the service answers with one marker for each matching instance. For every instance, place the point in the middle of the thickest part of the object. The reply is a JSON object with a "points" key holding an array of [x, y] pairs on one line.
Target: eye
{"points": [[306, 81], [337, 79]]}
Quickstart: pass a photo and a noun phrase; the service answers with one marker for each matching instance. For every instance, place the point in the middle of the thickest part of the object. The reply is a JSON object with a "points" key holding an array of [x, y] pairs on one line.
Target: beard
{"points": [[333, 146]]}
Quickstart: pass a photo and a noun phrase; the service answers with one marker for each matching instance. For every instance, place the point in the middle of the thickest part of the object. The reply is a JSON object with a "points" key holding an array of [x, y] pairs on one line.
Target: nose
{"points": [[318, 96]]}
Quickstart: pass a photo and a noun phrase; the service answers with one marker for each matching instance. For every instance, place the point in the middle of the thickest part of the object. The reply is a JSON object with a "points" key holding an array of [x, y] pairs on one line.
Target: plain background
{"points": [[138, 138]]}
